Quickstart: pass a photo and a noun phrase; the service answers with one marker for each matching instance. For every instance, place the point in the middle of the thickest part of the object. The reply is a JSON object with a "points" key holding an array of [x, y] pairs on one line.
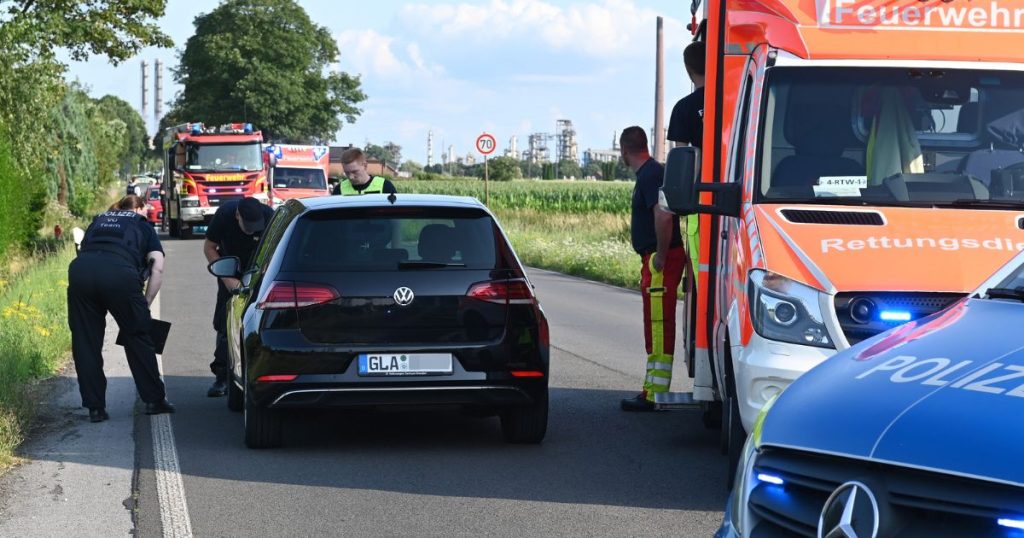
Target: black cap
{"points": [[251, 212]]}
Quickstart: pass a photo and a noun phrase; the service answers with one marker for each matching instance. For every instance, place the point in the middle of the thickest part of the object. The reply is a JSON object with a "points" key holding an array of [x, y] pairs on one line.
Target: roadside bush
{"points": [[20, 201]]}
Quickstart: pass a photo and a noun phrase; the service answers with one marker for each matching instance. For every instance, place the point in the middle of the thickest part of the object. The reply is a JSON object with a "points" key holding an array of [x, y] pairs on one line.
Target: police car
{"points": [[914, 432]]}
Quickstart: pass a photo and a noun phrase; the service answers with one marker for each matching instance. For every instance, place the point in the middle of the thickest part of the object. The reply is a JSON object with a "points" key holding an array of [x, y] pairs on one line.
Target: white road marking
{"points": [[170, 489]]}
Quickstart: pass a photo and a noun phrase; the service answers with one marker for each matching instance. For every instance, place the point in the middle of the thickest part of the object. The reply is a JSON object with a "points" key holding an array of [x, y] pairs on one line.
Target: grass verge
{"points": [[34, 339], [590, 245]]}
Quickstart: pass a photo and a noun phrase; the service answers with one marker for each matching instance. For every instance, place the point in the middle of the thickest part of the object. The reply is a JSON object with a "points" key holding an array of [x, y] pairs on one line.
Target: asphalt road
{"points": [[599, 472]]}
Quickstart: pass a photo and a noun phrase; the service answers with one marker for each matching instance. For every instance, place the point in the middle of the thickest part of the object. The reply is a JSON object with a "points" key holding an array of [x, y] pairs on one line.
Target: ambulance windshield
{"points": [[893, 136], [224, 157]]}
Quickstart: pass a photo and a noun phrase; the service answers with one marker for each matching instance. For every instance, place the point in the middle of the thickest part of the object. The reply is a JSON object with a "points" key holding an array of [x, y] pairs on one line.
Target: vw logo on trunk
{"points": [[404, 296], [850, 512]]}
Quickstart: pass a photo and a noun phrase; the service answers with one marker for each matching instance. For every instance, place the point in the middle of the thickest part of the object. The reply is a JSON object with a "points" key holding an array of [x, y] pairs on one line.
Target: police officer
{"points": [[353, 162], [234, 231], [119, 270]]}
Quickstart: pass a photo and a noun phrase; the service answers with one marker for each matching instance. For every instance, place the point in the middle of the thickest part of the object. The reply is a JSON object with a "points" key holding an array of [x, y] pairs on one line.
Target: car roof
{"points": [[401, 200]]}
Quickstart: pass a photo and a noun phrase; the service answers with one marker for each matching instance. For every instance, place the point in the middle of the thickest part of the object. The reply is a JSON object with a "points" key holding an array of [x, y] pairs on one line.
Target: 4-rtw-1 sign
{"points": [[486, 144]]}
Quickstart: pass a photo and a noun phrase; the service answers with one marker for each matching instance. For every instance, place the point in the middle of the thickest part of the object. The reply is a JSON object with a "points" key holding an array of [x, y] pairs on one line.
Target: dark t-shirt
{"points": [[645, 196], [232, 241], [687, 122]]}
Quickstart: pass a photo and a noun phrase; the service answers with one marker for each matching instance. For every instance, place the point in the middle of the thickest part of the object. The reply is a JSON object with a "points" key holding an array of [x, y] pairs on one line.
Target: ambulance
{"points": [[297, 172], [862, 168]]}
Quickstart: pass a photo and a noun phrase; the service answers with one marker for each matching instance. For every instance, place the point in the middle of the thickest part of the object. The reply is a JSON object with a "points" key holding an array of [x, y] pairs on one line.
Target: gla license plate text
{"points": [[387, 364]]}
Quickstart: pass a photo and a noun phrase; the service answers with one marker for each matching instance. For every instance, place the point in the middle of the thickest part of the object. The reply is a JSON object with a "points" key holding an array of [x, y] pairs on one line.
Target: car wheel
{"points": [[262, 426], [733, 435], [526, 424]]}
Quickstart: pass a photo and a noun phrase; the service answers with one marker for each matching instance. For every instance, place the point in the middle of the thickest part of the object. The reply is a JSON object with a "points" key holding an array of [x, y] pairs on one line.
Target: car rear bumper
{"points": [[333, 397]]}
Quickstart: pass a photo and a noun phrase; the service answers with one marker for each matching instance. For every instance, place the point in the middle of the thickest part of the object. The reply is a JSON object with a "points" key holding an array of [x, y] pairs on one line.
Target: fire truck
{"points": [[862, 167], [206, 167], [297, 172]]}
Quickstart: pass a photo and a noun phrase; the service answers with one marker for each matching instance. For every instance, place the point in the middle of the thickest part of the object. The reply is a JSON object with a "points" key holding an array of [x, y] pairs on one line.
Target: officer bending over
{"points": [[120, 255]]}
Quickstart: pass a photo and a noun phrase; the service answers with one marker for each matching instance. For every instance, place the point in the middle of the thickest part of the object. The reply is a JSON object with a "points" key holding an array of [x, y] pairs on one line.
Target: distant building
{"points": [[600, 156]]}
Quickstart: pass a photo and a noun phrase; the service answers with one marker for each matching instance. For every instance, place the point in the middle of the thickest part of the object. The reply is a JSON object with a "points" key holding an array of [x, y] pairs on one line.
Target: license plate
{"points": [[199, 229], [405, 364]]}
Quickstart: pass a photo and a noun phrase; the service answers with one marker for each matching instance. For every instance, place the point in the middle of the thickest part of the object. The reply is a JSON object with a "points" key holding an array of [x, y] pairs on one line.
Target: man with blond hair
{"points": [[359, 180]]}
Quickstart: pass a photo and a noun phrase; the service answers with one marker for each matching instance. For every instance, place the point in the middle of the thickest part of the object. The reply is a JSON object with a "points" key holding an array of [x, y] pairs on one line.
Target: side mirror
{"points": [[681, 190], [681, 172], [226, 267]]}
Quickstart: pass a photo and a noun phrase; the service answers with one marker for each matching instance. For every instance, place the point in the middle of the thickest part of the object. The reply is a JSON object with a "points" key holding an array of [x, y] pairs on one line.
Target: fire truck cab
{"points": [[206, 167]]}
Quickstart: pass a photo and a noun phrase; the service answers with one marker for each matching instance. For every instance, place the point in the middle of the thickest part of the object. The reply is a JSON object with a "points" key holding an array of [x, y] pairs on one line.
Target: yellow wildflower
{"points": [[43, 331]]}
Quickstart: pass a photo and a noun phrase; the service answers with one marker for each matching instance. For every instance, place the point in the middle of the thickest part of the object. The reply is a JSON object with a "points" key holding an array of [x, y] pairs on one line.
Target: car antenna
{"points": [[392, 198]]}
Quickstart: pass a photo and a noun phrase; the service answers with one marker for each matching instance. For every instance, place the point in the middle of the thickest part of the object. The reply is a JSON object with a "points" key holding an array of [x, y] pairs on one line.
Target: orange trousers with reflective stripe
{"points": [[660, 292]]}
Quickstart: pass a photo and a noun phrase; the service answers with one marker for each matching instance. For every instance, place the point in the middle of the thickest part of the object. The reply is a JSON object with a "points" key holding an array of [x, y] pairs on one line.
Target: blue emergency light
{"points": [[894, 315], [196, 129], [247, 128], [1011, 523], [770, 478]]}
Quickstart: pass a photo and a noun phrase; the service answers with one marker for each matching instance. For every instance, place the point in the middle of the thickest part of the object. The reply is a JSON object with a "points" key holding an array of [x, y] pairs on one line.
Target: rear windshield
{"points": [[390, 239]]}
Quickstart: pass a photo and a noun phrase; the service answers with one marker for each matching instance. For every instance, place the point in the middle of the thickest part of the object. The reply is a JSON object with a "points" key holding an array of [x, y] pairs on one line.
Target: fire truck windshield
{"points": [[299, 178], [224, 157], [893, 136]]}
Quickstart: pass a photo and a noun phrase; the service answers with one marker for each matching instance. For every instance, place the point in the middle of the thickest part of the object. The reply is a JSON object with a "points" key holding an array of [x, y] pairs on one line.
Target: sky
{"points": [[459, 67]]}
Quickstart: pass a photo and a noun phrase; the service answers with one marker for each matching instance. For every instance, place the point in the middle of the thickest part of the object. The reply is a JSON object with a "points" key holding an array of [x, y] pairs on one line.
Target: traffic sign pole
{"points": [[486, 145]]}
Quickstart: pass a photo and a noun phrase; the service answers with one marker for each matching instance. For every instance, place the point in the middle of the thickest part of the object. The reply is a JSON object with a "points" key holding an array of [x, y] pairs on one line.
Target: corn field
{"points": [[573, 197]]}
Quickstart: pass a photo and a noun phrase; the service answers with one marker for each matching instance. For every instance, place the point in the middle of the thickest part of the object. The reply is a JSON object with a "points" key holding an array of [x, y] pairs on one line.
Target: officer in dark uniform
{"points": [[120, 255], [235, 230]]}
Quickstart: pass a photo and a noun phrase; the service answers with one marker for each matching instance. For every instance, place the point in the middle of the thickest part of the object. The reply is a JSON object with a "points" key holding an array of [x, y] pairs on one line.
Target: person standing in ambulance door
{"points": [[235, 230], [656, 238], [686, 128], [118, 270]]}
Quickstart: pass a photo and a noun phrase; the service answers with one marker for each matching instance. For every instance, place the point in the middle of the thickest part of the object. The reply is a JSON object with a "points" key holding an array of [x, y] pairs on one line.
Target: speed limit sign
{"points": [[486, 144]]}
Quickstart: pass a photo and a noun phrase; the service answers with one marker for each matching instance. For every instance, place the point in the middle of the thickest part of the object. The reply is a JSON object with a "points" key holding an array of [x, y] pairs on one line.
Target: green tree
{"points": [[411, 166], [504, 169], [135, 143], [390, 153], [593, 169], [266, 62], [568, 168]]}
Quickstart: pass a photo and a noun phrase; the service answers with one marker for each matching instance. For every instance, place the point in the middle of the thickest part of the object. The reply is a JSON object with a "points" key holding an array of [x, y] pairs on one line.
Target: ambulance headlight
{"points": [[786, 310], [190, 202]]}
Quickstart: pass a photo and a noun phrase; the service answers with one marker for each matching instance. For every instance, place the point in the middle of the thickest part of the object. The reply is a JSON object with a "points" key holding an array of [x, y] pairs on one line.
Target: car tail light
{"points": [[502, 292], [276, 378], [296, 295], [527, 373]]}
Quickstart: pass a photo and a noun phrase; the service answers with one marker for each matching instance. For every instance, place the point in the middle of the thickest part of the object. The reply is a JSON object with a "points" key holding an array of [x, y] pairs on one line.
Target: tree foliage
{"points": [[568, 168], [134, 145], [390, 153], [265, 62], [503, 169]]}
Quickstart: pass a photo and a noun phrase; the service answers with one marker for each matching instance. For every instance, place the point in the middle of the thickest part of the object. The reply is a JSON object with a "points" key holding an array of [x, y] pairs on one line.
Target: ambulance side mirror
{"points": [[226, 267], [681, 190]]}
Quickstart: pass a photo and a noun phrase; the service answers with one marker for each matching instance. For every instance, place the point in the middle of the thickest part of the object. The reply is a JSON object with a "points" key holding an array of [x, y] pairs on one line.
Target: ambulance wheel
{"points": [[733, 435], [186, 232], [175, 228]]}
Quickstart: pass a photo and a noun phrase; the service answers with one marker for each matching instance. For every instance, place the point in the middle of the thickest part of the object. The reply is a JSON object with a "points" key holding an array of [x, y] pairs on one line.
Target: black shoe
{"points": [[98, 415], [157, 408], [218, 389], [637, 403]]}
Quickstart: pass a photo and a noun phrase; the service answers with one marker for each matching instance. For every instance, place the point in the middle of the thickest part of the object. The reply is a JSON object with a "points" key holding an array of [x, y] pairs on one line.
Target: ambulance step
{"points": [[675, 400]]}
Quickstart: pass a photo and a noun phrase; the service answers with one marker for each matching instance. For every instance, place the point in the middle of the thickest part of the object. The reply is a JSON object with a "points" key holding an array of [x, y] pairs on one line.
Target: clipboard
{"points": [[158, 331]]}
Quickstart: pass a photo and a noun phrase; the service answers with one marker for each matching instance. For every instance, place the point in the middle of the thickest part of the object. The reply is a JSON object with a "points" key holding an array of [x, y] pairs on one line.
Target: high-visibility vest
{"points": [[376, 187]]}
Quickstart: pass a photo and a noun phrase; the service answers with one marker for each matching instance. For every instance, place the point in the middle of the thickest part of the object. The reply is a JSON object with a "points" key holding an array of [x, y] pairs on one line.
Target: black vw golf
{"points": [[366, 301]]}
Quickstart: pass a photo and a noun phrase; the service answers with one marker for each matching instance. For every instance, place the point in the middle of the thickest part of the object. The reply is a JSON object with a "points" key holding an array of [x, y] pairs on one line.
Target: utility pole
{"points": [[659, 95]]}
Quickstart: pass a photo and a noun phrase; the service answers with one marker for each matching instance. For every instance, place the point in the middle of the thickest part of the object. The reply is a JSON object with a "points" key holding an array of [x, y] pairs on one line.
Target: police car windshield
{"points": [[893, 136], [224, 157]]}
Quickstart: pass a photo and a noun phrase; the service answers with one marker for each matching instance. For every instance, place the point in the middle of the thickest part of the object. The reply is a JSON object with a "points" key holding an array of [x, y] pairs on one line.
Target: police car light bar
{"points": [[772, 479], [1011, 523], [894, 315]]}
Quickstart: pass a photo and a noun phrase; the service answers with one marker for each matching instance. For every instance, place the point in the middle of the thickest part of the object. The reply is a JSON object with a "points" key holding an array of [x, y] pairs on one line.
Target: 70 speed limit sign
{"points": [[486, 144]]}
